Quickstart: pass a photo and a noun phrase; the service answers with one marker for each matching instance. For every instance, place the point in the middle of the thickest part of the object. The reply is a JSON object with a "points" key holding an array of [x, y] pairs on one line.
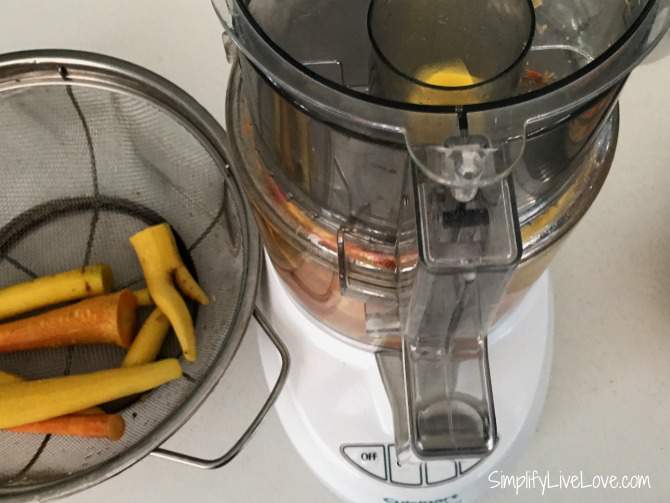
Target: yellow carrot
{"points": [[7, 378], [32, 401], [148, 341], [49, 290], [163, 268], [143, 298]]}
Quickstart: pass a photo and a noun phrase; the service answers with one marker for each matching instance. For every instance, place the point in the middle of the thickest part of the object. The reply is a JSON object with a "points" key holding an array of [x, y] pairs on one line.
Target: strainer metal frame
{"points": [[221, 461], [64, 67]]}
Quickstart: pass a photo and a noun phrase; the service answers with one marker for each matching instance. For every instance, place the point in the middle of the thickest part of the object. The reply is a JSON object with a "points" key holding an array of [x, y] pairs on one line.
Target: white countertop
{"points": [[607, 410]]}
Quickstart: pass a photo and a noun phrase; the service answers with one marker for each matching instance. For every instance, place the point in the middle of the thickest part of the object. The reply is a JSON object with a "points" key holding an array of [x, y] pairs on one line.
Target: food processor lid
{"points": [[447, 52], [388, 68]]}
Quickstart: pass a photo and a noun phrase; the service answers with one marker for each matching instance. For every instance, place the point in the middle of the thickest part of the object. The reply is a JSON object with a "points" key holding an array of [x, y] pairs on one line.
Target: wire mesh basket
{"points": [[93, 150]]}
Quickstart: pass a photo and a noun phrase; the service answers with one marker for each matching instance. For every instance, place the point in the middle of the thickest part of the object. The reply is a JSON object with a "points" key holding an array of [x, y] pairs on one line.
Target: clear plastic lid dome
{"points": [[428, 70], [477, 42]]}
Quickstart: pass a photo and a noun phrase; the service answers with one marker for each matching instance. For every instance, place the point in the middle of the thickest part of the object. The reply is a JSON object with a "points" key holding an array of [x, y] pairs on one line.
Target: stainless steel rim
{"points": [[59, 67]]}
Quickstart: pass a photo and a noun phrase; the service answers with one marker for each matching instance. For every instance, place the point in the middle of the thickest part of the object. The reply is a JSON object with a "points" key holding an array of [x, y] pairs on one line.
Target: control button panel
{"points": [[407, 474], [380, 461], [369, 458], [467, 464], [440, 471]]}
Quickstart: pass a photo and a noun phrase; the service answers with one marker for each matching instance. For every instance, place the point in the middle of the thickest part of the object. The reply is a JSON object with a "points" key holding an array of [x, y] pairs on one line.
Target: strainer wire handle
{"points": [[211, 464]]}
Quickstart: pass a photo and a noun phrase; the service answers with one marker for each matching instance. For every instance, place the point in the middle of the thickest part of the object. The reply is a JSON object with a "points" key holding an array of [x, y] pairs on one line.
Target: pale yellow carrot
{"points": [[32, 401], [163, 268], [49, 290], [8, 378], [143, 298], [148, 341]]}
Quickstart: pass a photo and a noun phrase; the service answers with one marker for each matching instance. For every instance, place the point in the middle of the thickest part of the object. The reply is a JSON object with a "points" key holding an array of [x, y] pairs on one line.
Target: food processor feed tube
{"points": [[445, 82], [446, 52]]}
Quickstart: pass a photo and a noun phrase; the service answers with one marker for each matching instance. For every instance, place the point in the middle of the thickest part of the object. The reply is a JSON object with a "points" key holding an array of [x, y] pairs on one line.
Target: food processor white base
{"points": [[336, 412]]}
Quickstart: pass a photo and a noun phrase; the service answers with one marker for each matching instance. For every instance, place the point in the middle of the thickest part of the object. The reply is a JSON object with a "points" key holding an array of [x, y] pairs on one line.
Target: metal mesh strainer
{"points": [[91, 151]]}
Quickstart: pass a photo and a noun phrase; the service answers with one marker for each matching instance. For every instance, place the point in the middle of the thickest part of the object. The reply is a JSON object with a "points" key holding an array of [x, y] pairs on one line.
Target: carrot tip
{"points": [[117, 427]]}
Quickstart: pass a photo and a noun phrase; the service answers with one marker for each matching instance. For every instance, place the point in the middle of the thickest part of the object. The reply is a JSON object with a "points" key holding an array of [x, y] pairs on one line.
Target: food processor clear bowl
{"points": [[301, 237]]}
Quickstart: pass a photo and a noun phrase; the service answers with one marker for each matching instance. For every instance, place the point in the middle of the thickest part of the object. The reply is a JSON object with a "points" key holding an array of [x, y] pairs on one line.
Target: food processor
{"points": [[413, 167]]}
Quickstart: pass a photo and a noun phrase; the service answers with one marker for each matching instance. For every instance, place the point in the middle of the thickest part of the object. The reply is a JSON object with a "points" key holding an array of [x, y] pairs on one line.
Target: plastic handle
{"points": [[211, 464], [446, 369], [467, 252]]}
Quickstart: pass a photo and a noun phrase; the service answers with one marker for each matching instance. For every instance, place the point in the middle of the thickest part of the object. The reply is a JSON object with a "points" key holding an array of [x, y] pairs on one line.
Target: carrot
{"points": [[143, 297], [109, 319], [48, 290], [164, 271], [111, 426], [149, 339], [7, 378], [92, 423], [27, 402]]}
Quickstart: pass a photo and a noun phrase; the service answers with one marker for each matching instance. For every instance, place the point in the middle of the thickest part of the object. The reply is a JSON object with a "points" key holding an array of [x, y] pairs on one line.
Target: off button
{"points": [[369, 458]]}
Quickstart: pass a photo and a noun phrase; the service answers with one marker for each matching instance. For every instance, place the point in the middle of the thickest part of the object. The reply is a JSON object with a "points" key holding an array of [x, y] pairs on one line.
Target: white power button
{"points": [[407, 474], [370, 458]]}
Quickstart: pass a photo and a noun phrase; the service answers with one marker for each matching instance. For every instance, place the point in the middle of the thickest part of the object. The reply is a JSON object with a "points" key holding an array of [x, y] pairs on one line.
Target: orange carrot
{"points": [[111, 426], [109, 319]]}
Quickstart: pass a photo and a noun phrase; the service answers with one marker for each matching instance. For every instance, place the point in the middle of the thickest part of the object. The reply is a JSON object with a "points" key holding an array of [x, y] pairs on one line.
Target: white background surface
{"points": [[608, 410]]}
